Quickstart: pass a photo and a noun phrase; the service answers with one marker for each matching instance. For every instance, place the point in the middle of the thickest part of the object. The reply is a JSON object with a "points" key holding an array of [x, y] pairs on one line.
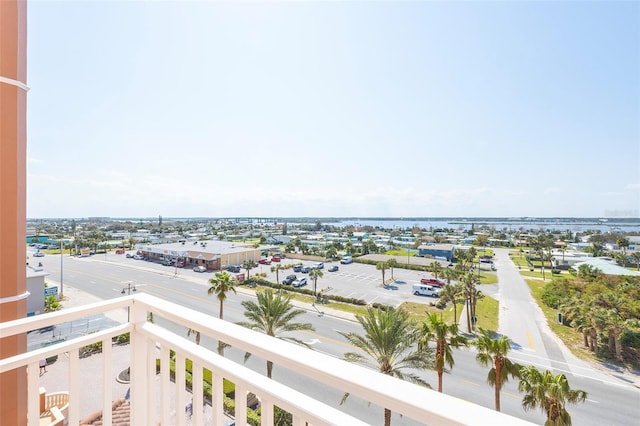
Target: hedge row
{"points": [[253, 281]]}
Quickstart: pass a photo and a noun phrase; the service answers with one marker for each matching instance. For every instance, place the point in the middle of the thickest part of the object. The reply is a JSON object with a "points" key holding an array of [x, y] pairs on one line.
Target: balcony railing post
{"points": [[139, 381]]}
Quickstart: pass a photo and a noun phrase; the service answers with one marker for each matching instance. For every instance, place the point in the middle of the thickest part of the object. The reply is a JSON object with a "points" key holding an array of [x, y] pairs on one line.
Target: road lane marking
{"points": [[469, 382], [512, 395], [530, 339]]}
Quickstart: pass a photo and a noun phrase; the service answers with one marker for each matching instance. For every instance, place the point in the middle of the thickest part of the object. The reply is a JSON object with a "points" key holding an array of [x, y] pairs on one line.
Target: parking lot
{"points": [[354, 280], [357, 281]]}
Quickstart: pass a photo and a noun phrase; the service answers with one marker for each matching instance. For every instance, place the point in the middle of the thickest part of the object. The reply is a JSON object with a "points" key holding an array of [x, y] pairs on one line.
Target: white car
{"points": [[38, 254], [199, 268], [138, 257]]}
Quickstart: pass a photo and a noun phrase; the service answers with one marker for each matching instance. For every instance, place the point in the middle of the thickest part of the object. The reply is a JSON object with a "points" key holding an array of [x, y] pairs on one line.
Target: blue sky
{"points": [[359, 109]]}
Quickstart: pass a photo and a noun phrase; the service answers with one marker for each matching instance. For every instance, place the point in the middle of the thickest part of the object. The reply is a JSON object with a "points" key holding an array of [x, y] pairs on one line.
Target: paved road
{"points": [[608, 399]]}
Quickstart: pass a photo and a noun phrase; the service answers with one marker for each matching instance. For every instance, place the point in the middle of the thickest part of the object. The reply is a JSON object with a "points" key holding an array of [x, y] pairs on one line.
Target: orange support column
{"points": [[13, 281]]}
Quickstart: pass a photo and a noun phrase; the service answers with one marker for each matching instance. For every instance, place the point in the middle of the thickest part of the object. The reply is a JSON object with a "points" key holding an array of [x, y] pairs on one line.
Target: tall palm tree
{"points": [[471, 295], [248, 265], [382, 266], [388, 346], [452, 293], [636, 256], [435, 268], [449, 274], [277, 269], [446, 337], [314, 274], [392, 263], [220, 286], [273, 314], [196, 333], [550, 393], [494, 350]]}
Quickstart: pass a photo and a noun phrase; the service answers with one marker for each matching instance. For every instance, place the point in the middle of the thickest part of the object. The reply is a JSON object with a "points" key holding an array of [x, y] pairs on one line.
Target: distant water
{"points": [[560, 224]]}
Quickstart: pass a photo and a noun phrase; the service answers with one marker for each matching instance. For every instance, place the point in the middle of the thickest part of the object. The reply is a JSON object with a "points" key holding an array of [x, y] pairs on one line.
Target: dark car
{"points": [[333, 268], [289, 279], [233, 268]]}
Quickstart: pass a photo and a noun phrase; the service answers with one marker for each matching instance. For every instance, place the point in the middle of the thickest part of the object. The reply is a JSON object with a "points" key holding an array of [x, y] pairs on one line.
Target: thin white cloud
{"points": [[33, 160], [633, 186]]}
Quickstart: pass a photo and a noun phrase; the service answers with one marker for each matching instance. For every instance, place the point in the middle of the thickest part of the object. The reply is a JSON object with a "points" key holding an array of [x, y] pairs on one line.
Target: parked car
{"points": [[333, 268], [276, 259], [432, 281], [300, 283], [297, 268], [289, 279], [305, 269], [38, 254], [346, 260], [180, 264], [120, 251], [130, 255], [138, 257], [233, 268], [167, 262], [318, 265], [264, 262], [199, 268], [426, 290]]}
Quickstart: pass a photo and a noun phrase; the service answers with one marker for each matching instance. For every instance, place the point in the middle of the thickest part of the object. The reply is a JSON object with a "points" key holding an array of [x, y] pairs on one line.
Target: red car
{"points": [[265, 261], [276, 259], [432, 281], [120, 251]]}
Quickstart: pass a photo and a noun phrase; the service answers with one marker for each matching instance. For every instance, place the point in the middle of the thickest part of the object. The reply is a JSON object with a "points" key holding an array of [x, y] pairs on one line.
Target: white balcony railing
{"points": [[423, 405]]}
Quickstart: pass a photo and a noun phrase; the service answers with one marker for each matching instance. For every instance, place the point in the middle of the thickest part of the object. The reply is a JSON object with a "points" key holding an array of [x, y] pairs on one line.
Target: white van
{"points": [[426, 290], [346, 260]]}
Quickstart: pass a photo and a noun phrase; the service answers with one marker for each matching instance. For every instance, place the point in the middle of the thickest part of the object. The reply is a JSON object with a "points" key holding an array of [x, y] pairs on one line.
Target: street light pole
{"points": [[61, 264], [128, 291]]}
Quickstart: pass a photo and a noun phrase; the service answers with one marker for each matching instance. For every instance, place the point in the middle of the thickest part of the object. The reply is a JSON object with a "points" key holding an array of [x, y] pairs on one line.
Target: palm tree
{"points": [[388, 346], [196, 333], [248, 265], [623, 243], [277, 269], [636, 257], [435, 269], [392, 263], [314, 274], [451, 294], [220, 286], [449, 274], [272, 314], [549, 393], [493, 350], [471, 295], [446, 337], [382, 266]]}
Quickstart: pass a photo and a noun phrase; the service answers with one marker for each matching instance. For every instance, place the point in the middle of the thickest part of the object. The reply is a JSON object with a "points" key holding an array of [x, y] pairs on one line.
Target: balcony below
{"points": [[154, 394]]}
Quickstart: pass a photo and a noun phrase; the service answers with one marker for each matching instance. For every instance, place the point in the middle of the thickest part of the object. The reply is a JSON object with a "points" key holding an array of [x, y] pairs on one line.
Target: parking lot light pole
{"points": [[128, 291], [61, 263]]}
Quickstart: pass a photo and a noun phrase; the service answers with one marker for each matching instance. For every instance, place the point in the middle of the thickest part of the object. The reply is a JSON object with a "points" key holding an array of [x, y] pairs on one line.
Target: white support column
{"points": [[74, 387], [197, 389], [180, 391], [138, 369], [241, 404], [217, 398], [266, 407], [152, 392], [33, 389], [106, 382], [165, 382]]}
